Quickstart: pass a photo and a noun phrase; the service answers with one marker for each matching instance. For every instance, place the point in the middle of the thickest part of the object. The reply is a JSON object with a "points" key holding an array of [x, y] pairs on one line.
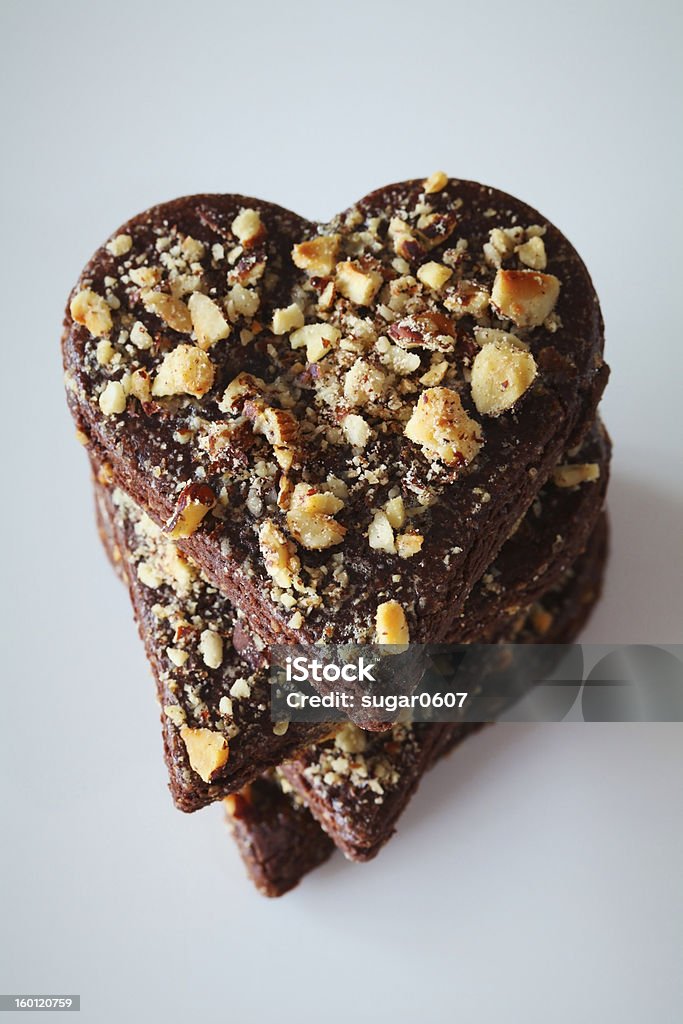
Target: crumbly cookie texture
{"points": [[368, 377]]}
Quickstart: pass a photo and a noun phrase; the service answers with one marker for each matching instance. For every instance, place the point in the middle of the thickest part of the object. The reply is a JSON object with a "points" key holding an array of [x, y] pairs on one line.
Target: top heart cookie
{"points": [[341, 423]]}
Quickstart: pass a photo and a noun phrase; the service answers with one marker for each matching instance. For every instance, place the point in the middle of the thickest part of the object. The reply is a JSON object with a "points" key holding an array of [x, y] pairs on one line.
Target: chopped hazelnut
{"points": [[277, 554], [112, 401], [391, 625], [327, 296], [364, 383], [244, 301], [145, 277], [284, 491], [140, 387], [104, 352], [356, 430], [434, 331], [186, 369], [140, 336], [381, 535], [318, 255], [532, 253], [484, 335], [207, 751], [356, 284], [526, 297], [468, 299], [208, 321], [310, 518], [317, 338], [243, 387], [211, 648], [119, 245], [399, 361], [92, 310], [177, 656], [194, 501], [435, 182], [248, 228], [501, 244], [406, 244], [279, 427], [572, 474], [148, 575], [179, 571], [434, 275], [409, 544], [501, 373], [287, 319], [172, 311], [192, 249], [105, 474], [225, 707], [396, 512], [176, 714], [435, 374], [440, 424], [435, 228]]}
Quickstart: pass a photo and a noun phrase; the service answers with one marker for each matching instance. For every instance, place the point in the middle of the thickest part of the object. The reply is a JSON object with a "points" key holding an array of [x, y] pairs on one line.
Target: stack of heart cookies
{"points": [[381, 429]]}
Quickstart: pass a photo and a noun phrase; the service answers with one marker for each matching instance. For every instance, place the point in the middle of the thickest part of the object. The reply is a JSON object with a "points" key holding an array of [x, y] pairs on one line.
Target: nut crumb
{"points": [[211, 648], [112, 401], [571, 475]]}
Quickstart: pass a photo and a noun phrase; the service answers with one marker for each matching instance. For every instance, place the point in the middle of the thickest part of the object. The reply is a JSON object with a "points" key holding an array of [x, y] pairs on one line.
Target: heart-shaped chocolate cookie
{"points": [[217, 730], [341, 423]]}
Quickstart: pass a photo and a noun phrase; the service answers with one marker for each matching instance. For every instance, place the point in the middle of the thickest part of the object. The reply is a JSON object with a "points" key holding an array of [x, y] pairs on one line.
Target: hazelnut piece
{"points": [[172, 311], [442, 427], [356, 284], [318, 255], [310, 518], [391, 626], [248, 228], [318, 339], [207, 751], [186, 369], [525, 296], [194, 501], [208, 321], [434, 275], [435, 182], [92, 310], [571, 475], [501, 373]]}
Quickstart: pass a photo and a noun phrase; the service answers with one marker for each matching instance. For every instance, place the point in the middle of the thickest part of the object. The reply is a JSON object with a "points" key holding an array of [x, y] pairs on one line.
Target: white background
{"points": [[537, 877]]}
